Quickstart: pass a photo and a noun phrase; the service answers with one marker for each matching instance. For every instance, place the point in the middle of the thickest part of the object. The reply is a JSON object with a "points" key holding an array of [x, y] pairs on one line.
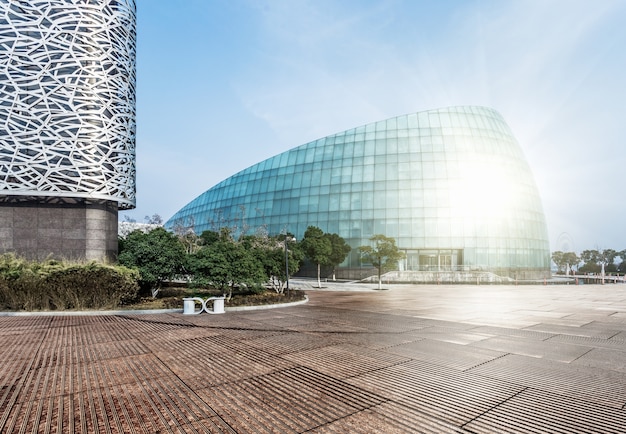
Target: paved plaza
{"points": [[410, 359]]}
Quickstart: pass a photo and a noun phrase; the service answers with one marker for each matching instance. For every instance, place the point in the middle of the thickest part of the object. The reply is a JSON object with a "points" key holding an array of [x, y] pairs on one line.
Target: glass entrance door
{"points": [[433, 260]]}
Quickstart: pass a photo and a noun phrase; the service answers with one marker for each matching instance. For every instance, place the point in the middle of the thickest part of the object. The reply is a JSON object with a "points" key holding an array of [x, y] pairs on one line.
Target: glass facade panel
{"points": [[452, 180]]}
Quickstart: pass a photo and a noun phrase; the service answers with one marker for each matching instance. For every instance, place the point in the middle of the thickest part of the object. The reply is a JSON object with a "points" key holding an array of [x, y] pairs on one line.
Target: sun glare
{"points": [[482, 191]]}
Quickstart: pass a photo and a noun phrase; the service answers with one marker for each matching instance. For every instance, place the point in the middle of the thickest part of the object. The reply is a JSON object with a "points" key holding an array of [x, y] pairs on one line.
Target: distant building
{"points": [[452, 186], [67, 125]]}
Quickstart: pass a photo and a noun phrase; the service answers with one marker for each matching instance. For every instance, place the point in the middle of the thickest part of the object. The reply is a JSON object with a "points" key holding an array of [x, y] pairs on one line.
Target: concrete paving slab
{"points": [[552, 350], [604, 358], [430, 358], [450, 335]]}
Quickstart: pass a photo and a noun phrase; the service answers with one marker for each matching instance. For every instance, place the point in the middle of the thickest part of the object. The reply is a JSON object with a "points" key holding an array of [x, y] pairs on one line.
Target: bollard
{"points": [[189, 305], [218, 305]]}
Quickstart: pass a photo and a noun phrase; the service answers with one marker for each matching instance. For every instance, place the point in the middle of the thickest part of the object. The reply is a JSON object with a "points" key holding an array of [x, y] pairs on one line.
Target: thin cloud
{"points": [[300, 70]]}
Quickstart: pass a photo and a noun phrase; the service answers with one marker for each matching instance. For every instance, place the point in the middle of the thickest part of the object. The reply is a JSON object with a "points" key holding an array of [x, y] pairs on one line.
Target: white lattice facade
{"points": [[67, 125], [67, 99]]}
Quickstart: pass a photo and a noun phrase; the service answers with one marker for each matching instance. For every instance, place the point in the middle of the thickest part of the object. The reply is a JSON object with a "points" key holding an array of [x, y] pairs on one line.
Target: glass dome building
{"points": [[451, 185]]}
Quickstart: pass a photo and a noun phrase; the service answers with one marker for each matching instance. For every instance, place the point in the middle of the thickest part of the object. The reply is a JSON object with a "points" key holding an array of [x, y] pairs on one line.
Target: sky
{"points": [[225, 84]]}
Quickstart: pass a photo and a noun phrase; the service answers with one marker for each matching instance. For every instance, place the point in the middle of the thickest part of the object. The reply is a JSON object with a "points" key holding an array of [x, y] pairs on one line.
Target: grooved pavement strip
{"points": [[411, 359]]}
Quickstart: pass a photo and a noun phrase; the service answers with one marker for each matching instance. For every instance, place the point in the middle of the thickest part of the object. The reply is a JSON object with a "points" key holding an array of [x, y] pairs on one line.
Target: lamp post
{"points": [[287, 239]]}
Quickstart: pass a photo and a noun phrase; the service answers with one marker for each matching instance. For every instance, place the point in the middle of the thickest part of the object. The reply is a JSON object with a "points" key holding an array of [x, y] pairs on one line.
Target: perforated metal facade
{"points": [[452, 186], [67, 99]]}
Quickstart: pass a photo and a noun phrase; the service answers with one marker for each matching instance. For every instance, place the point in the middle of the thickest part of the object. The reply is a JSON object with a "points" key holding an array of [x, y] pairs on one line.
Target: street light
{"points": [[287, 239]]}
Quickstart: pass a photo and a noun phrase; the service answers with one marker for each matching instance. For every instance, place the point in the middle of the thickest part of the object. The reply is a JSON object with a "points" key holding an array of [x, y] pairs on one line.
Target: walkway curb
{"points": [[146, 311], [266, 306], [90, 312]]}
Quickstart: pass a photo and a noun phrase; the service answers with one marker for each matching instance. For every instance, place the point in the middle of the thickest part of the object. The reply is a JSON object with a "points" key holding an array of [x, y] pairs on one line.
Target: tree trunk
{"points": [[379, 280]]}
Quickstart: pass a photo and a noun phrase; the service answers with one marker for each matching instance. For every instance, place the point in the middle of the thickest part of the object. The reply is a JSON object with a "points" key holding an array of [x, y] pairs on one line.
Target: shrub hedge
{"points": [[61, 285]]}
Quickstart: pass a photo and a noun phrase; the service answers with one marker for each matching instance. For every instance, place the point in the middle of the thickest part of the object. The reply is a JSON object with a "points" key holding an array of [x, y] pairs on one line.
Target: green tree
{"points": [[209, 237], [559, 261], [226, 264], [383, 255], [591, 259], [607, 257], [339, 251], [158, 255], [317, 248], [622, 265], [571, 259], [565, 261], [270, 253]]}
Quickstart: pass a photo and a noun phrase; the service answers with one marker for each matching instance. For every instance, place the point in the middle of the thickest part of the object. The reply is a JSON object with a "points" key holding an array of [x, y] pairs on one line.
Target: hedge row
{"points": [[60, 285]]}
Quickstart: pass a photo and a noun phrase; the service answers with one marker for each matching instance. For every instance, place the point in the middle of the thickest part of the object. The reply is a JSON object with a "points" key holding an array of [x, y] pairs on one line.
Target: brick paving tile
{"points": [[413, 359]]}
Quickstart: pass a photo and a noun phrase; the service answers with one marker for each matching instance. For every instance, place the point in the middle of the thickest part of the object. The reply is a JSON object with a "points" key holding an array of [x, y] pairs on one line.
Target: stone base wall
{"points": [[72, 229]]}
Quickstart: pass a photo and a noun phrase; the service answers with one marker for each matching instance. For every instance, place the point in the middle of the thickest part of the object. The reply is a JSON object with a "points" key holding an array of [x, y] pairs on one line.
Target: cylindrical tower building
{"points": [[67, 125]]}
